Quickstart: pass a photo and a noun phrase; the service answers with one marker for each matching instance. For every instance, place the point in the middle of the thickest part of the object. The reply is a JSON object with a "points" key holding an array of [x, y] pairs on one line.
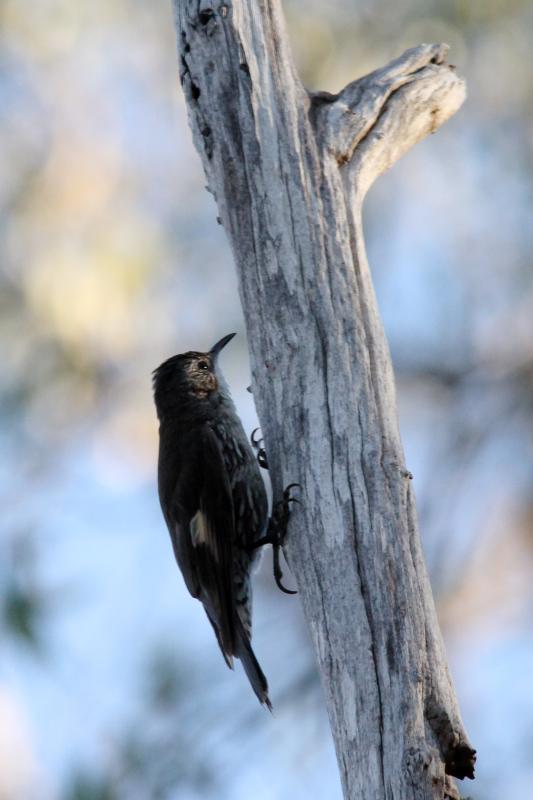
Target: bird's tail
{"points": [[251, 665]]}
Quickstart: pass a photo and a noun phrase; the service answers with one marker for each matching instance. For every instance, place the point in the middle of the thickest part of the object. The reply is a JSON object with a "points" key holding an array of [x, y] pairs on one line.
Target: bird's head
{"points": [[187, 376]]}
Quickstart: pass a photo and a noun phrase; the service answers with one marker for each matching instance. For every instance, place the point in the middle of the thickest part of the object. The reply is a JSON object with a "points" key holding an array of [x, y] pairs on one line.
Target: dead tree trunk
{"points": [[289, 170]]}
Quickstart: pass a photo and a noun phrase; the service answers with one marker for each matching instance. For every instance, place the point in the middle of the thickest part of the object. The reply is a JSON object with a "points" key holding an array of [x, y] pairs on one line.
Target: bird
{"points": [[212, 497]]}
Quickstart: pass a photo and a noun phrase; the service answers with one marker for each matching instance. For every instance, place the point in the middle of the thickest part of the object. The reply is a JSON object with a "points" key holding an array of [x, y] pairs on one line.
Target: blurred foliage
{"points": [[22, 602], [87, 787], [159, 751], [155, 760], [110, 260]]}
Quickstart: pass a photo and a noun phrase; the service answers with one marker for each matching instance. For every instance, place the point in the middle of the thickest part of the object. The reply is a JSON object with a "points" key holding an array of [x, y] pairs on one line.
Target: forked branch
{"points": [[375, 119]]}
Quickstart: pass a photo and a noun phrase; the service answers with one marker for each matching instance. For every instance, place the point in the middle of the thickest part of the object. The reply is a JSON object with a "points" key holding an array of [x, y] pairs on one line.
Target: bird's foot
{"points": [[277, 531], [257, 444]]}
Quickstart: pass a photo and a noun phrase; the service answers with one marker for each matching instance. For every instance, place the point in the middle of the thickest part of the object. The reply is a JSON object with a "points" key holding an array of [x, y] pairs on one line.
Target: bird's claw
{"points": [[278, 574], [277, 530], [260, 450], [287, 494]]}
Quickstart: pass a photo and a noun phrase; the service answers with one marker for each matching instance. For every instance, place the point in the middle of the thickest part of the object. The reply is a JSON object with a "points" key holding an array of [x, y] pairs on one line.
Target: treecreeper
{"points": [[213, 499]]}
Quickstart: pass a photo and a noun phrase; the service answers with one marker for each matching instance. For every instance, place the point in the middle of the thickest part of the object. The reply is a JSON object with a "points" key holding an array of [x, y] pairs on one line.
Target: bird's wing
{"points": [[178, 480], [197, 502], [212, 536]]}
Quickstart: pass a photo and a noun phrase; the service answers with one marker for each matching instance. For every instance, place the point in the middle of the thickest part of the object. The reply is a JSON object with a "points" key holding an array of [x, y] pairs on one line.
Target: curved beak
{"points": [[215, 350]]}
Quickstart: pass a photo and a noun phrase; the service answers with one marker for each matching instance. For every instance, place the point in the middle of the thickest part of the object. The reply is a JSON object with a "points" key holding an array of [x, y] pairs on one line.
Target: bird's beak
{"points": [[215, 350]]}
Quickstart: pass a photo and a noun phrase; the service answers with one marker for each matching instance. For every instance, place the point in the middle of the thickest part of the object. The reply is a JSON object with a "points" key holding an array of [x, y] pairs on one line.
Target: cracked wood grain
{"points": [[289, 170]]}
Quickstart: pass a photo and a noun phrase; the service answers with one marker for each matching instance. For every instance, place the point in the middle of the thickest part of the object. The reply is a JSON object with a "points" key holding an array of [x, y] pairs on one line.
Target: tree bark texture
{"points": [[289, 170]]}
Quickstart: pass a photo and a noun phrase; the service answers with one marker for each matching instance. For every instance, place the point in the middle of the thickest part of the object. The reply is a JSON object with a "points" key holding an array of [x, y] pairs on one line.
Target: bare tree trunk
{"points": [[289, 170]]}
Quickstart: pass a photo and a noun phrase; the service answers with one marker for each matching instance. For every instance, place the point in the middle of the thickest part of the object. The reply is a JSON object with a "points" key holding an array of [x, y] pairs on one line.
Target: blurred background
{"points": [[111, 685]]}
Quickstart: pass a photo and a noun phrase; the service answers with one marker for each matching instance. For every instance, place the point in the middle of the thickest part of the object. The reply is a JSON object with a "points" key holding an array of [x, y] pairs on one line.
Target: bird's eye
{"points": [[203, 365]]}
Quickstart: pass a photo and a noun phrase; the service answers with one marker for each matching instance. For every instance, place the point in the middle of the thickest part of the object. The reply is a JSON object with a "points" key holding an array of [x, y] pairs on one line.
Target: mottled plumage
{"points": [[212, 496]]}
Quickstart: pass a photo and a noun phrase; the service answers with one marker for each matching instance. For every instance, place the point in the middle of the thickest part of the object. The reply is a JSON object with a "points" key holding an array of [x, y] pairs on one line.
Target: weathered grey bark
{"points": [[289, 170]]}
